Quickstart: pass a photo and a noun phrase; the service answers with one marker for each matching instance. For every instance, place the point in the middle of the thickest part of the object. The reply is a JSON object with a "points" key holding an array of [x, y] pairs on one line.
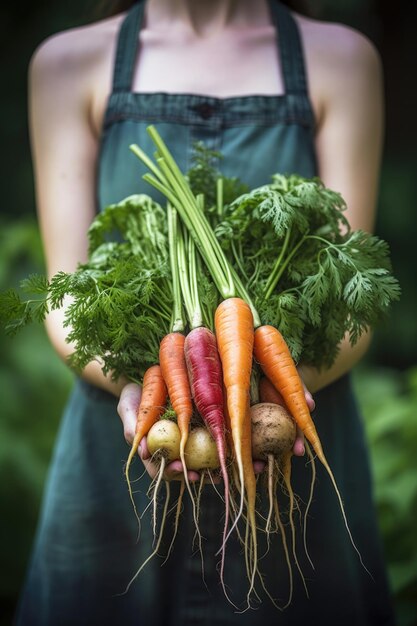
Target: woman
{"points": [[274, 91]]}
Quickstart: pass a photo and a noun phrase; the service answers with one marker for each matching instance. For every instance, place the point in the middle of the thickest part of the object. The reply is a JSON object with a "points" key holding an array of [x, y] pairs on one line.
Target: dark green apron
{"points": [[86, 549]]}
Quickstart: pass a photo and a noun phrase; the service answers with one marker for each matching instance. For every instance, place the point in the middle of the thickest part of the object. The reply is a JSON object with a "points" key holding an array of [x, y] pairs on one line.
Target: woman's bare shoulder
{"points": [[339, 59], [75, 52], [71, 71], [335, 42]]}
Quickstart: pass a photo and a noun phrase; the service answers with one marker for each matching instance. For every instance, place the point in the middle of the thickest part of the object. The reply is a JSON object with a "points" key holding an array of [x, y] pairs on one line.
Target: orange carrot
{"points": [[274, 357], [174, 372], [234, 331], [151, 407]]}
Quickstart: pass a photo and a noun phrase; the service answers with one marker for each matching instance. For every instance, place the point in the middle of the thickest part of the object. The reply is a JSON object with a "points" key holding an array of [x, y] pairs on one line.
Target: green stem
{"points": [[174, 186], [147, 161], [334, 246], [207, 311], [153, 344], [179, 185], [162, 302], [272, 280], [240, 249], [210, 242], [237, 258], [178, 325], [173, 199], [193, 310], [284, 267], [220, 257], [176, 202], [192, 273], [197, 319], [219, 196], [201, 231], [254, 275], [159, 314], [209, 233], [245, 296]]}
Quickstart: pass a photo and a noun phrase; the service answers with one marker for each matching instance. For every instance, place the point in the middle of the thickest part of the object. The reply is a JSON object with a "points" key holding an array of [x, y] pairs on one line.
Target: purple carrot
{"points": [[206, 382]]}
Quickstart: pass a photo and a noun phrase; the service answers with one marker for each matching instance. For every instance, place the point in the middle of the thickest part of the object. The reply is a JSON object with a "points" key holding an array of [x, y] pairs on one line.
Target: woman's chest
{"points": [[238, 63], [235, 62]]}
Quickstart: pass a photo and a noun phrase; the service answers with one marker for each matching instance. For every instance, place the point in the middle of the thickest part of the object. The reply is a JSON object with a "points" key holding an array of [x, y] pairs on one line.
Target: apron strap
{"points": [[127, 47], [290, 49]]}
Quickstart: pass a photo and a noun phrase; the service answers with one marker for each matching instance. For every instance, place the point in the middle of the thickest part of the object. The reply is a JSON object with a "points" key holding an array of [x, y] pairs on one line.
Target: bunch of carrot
{"points": [[196, 368], [210, 372], [213, 371]]}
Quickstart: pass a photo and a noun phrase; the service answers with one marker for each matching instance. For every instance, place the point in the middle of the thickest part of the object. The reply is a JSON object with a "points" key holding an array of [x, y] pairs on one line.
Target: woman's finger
{"points": [[259, 467], [174, 471], [298, 447], [127, 409]]}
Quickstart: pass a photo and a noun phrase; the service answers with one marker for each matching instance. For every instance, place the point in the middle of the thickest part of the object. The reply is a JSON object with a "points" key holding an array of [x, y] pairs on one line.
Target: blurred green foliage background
{"points": [[386, 382]]}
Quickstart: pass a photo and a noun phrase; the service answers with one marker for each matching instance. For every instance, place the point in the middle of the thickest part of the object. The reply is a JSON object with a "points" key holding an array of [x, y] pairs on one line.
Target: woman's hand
{"points": [[127, 410]]}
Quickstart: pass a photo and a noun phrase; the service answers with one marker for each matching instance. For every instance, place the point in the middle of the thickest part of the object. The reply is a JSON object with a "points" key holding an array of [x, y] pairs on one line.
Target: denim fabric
{"points": [[87, 548]]}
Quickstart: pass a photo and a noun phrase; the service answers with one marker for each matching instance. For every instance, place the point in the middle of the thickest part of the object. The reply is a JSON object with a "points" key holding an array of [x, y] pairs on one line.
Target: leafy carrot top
{"points": [[285, 247]]}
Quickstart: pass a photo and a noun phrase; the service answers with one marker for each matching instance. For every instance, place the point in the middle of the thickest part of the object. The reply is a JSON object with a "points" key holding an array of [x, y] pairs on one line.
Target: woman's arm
{"points": [[345, 79], [62, 77], [62, 97]]}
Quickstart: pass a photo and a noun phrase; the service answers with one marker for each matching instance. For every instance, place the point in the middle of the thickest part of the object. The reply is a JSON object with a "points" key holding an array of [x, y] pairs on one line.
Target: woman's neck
{"points": [[204, 18]]}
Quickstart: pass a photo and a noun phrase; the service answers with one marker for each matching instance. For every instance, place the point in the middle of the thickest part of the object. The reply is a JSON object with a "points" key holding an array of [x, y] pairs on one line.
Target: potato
{"points": [[200, 450], [164, 440], [273, 430]]}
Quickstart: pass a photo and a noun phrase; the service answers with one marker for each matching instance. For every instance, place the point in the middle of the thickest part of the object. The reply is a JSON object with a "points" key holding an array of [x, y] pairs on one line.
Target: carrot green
{"points": [[286, 248]]}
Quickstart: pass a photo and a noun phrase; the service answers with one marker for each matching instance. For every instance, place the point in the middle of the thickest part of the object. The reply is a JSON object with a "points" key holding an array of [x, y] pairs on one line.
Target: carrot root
{"points": [[132, 453], [176, 521], [158, 544], [286, 472], [155, 493], [286, 552], [310, 499]]}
